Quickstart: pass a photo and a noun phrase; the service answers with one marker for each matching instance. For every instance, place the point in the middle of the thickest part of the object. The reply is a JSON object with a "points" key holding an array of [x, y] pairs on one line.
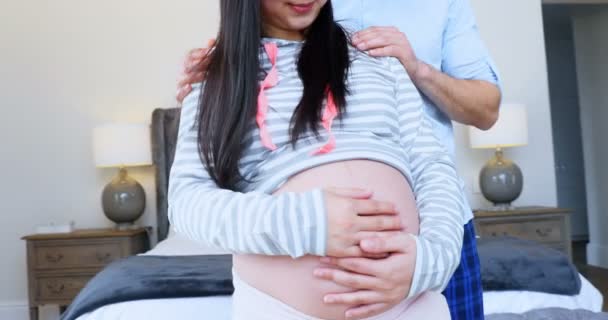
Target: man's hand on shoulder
{"points": [[388, 42], [195, 66]]}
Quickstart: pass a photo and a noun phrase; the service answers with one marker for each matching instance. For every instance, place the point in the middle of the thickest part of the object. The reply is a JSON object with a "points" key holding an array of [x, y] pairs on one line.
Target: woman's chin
{"points": [[300, 23]]}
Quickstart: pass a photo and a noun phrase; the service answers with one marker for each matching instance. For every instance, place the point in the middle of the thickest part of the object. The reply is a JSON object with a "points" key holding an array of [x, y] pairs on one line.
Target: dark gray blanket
{"points": [[551, 314], [154, 277], [515, 264]]}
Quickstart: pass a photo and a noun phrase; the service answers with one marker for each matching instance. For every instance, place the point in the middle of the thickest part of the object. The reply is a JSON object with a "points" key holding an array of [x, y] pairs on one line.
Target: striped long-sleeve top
{"points": [[384, 121]]}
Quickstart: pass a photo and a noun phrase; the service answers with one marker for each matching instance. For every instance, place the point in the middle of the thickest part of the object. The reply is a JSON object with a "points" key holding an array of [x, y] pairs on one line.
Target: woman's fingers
{"points": [[379, 223], [374, 207], [356, 265], [353, 251], [350, 211], [396, 242], [363, 235], [357, 298], [375, 256], [350, 280]]}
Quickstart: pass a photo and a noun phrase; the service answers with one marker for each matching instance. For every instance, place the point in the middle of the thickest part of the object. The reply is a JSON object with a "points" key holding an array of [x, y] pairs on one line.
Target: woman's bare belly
{"points": [[291, 280]]}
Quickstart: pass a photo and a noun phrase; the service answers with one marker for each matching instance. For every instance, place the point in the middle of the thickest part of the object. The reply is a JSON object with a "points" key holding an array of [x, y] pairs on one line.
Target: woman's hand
{"points": [[379, 284], [353, 216], [388, 42], [195, 66]]}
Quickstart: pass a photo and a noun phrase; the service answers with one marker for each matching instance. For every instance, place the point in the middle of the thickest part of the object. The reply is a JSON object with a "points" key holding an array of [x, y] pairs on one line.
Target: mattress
{"points": [[219, 308], [213, 308]]}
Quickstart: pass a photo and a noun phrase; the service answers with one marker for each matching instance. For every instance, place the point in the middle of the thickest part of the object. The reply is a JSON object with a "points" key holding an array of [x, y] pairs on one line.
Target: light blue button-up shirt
{"points": [[443, 33]]}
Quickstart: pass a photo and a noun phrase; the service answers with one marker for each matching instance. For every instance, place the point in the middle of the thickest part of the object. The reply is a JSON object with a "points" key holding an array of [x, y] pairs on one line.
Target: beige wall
{"points": [[513, 32], [67, 65], [590, 25]]}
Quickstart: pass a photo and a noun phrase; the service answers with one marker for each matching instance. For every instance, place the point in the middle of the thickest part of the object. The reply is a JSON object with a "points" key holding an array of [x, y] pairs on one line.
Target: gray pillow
{"points": [[515, 264], [551, 314]]}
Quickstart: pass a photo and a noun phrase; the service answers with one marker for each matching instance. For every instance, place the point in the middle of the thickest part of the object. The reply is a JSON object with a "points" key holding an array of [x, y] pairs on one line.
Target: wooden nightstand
{"points": [[59, 265], [549, 226]]}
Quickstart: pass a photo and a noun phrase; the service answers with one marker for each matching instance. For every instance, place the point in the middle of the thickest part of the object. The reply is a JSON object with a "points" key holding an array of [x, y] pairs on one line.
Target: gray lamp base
{"points": [[126, 226], [123, 200], [501, 181], [500, 207]]}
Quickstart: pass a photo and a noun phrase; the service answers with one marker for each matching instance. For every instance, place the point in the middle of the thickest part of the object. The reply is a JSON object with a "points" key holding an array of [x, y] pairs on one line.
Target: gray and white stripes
{"points": [[385, 122]]}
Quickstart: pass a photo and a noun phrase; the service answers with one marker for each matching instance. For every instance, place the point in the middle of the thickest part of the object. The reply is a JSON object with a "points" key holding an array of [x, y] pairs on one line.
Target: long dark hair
{"points": [[228, 101]]}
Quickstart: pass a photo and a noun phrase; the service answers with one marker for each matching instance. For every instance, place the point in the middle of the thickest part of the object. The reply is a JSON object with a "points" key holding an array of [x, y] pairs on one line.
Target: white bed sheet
{"points": [[219, 308], [523, 301], [212, 308]]}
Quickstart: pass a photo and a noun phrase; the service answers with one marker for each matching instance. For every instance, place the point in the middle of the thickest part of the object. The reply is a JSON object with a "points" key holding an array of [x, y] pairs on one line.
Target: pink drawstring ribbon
{"points": [[271, 80], [329, 114]]}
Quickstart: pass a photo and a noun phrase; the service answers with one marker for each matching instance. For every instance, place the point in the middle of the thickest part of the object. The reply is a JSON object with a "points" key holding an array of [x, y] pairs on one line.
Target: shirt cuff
{"points": [[318, 229], [417, 288]]}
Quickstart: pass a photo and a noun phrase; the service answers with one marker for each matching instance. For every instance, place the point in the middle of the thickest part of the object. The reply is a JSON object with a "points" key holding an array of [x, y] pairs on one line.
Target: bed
{"points": [[165, 122], [519, 302]]}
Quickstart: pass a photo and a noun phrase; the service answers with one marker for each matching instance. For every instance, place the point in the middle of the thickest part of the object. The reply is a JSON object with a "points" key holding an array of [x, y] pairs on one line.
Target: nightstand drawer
{"points": [[61, 264], [60, 288], [539, 230], [76, 255]]}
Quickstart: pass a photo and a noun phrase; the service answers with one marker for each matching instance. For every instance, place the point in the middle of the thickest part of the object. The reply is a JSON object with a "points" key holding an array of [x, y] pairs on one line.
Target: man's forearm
{"points": [[470, 102]]}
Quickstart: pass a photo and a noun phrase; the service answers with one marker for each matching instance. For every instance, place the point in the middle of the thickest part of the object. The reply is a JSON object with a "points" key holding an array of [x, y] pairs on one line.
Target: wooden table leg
{"points": [[33, 313]]}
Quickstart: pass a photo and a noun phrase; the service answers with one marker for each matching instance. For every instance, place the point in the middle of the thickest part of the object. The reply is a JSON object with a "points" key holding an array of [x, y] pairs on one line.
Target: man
{"points": [[439, 45]]}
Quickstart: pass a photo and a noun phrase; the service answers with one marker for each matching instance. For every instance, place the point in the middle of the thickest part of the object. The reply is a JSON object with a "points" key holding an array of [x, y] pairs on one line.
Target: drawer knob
{"points": [[54, 258], [543, 232], [56, 289], [103, 257]]}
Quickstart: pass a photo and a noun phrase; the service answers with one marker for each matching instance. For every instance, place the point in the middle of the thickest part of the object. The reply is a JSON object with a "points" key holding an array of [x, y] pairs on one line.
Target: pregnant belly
{"points": [[291, 280]]}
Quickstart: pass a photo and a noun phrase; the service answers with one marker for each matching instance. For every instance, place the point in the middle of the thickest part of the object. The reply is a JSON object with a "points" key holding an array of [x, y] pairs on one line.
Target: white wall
{"points": [[513, 32], [590, 27], [67, 65]]}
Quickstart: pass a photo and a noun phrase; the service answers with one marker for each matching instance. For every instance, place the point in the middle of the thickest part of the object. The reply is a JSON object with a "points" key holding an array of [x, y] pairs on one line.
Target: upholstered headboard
{"points": [[165, 125]]}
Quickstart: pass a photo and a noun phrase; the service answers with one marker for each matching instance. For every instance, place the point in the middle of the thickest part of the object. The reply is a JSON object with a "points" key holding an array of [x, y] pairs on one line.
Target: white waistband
{"points": [[249, 303]]}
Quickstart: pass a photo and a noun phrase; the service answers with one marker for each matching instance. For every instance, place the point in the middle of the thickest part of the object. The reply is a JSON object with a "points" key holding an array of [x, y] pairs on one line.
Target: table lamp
{"points": [[501, 180], [121, 146]]}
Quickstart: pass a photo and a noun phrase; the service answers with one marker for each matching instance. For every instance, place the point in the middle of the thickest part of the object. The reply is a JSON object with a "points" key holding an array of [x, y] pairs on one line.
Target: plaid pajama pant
{"points": [[464, 292]]}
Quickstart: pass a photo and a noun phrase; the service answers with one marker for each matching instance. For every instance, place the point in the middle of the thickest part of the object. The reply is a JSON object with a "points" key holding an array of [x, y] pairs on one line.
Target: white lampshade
{"points": [[122, 145], [511, 129]]}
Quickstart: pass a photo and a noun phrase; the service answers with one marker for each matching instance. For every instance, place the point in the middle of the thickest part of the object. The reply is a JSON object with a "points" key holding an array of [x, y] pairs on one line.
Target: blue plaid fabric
{"points": [[464, 292]]}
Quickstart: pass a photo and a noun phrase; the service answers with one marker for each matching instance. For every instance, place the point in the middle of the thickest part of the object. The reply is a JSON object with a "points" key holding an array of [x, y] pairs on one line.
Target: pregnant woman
{"points": [[276, 149]]}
